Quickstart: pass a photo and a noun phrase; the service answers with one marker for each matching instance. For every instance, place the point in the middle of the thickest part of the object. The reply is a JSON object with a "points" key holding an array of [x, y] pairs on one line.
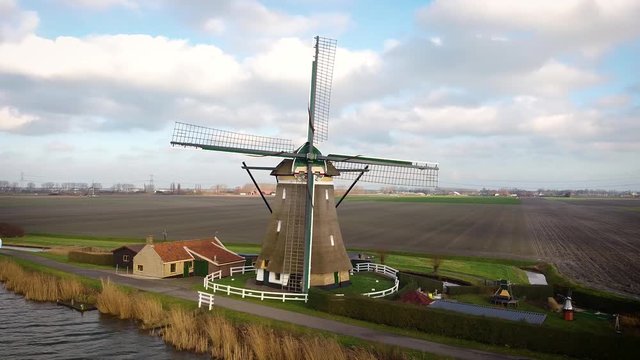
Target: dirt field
{"points": [[594, 241]]}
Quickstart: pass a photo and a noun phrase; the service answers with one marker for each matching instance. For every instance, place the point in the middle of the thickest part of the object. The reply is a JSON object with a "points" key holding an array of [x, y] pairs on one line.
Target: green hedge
{"points": [[533, 292], [91, 257], [481, 329], [426, 283], [459, 290]]}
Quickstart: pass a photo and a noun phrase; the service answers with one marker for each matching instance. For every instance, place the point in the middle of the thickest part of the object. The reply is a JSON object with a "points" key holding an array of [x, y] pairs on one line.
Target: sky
{"points": [[500, 93]]}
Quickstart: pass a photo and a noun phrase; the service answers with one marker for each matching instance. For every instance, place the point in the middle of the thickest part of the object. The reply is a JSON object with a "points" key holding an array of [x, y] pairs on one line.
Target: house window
{"points": [[279, 225], [139, 267], [331, 239], [125, 258], [173, 267], [284, 194]]}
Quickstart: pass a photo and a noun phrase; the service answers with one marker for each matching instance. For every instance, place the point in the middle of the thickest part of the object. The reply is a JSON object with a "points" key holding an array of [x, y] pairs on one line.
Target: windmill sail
{"points": [[390, 175], [321, 88], [221, 140], [386, 171]]}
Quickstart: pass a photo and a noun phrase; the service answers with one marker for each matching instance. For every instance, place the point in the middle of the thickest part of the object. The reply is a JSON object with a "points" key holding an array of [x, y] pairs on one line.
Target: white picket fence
{"points": [[242, 269], [205, 298], [383, 293], [211, 277], [385, 270], [388, 271], [230, 290], [209, 284]]}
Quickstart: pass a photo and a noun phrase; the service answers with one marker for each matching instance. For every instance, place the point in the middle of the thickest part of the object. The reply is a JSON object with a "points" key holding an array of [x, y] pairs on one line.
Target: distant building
{"points": [[123, 256], [185, 258]]}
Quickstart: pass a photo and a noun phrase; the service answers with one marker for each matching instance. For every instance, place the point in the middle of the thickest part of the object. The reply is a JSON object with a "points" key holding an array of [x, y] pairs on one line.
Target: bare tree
{"points": [[436, 261]]}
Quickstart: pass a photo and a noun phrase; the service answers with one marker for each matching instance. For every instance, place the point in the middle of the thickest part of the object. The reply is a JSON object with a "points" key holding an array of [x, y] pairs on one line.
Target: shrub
{"points": [[95, 258], [11, 230]]}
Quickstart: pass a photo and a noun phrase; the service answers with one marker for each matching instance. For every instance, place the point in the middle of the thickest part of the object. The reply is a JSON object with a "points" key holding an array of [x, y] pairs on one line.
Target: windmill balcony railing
{"points": [[242, 269]]}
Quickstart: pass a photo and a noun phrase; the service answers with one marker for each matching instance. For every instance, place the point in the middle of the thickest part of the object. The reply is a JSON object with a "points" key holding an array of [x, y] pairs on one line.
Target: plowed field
{"points": [[594, 241]]}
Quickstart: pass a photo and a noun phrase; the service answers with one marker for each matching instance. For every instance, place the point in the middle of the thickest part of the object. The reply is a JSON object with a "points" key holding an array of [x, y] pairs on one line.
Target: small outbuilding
{"points": [[123, 256], [185, 258]]}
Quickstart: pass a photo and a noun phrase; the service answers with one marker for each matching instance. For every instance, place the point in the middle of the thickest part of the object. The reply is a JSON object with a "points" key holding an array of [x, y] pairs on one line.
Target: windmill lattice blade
{"points": [[391, 174], [215, 139], [324, 76]]}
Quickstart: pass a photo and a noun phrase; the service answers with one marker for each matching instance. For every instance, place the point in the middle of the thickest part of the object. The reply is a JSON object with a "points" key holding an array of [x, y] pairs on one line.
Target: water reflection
{"points": [[32, 330]]}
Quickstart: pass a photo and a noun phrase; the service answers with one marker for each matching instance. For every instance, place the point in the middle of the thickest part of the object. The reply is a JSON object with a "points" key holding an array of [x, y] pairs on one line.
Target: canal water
{"points": [[33, 330]]}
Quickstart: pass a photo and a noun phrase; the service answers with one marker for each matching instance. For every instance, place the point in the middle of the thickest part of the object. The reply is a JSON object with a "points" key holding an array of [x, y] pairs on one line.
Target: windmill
{"points": [[303, 245]]}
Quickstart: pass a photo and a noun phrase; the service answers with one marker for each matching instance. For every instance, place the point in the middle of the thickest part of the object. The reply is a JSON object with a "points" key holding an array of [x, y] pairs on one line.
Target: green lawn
{"points": [[364, 282], [468, 270], [47, 240], [499, 200], [361, 283], [244, 248]]}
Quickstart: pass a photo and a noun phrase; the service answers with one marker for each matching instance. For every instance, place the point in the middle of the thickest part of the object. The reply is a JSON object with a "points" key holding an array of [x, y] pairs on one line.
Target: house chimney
{"points": [[149, 239]]}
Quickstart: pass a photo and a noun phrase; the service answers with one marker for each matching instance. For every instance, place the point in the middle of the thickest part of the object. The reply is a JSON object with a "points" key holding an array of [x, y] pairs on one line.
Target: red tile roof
{"points": [[208, 249]]}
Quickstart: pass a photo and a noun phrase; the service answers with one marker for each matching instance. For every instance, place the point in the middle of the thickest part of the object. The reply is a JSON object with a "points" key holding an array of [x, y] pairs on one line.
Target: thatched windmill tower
{"points": [[303, 245]]}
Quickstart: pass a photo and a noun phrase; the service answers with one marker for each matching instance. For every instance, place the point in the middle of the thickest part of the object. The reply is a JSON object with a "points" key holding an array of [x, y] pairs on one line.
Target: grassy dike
{"points": [[220, 333]]}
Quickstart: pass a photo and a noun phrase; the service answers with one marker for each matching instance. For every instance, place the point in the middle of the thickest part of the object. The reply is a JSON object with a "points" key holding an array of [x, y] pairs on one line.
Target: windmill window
{"points": [[125, 258], [279, 226], [326, 194], [277, 276], [332, 242], [284, 194]]}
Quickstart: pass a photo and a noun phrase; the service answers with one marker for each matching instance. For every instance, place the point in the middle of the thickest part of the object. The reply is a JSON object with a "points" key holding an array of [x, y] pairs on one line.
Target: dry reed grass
{"points": [[39, 286], [184, 331], [112, 300], [148, 311]]}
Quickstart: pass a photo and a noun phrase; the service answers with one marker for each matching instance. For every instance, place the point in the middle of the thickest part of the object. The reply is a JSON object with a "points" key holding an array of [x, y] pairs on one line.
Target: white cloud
{"points": [[551, 79], [101, 4], [12, 119], [436, 41], [253, 24], [590, 26], [140, 60], [16, 23]]}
